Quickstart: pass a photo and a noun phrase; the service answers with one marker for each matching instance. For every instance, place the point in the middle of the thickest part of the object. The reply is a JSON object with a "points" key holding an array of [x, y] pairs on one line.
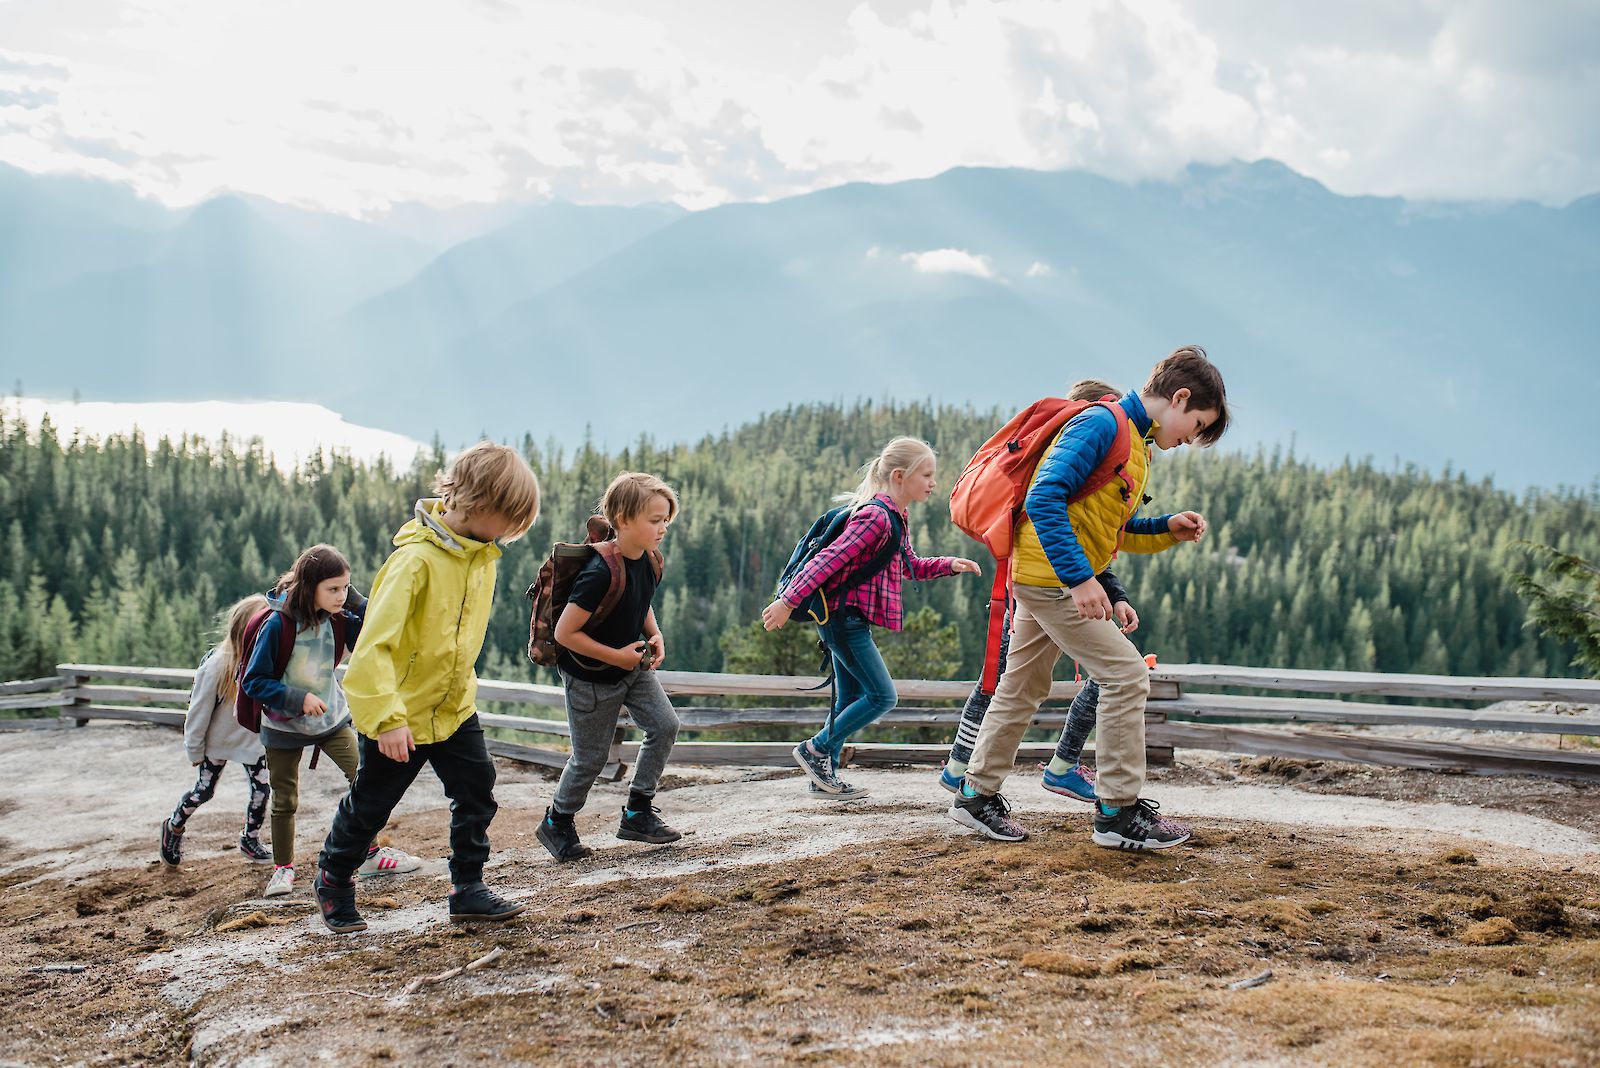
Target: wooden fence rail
{"points": [[1179, 714]]}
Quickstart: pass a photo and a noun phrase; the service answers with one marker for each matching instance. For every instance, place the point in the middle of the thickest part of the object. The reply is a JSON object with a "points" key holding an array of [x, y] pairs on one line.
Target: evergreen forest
{"points": [[125, 551]]}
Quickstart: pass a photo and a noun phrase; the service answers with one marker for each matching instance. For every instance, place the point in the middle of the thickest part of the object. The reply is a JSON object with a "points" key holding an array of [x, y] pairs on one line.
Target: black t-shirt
{"points": [[624, 626]]}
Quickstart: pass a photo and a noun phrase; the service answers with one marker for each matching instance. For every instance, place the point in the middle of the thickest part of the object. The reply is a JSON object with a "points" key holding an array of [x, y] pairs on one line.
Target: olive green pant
{"points": [[283, 772]]}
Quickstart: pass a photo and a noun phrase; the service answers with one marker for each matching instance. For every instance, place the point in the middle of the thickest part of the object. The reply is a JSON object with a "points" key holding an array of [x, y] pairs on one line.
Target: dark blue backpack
{"points": [[823, 533]]}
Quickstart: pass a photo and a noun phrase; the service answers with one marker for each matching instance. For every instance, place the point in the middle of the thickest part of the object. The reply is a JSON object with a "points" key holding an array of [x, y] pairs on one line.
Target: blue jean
{"points": [[863, 690]]}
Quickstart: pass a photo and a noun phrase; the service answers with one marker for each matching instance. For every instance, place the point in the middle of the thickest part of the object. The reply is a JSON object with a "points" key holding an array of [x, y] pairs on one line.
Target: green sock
{"points": [[1059, 766], [956, 768], [1109, 810], [967, 790]]}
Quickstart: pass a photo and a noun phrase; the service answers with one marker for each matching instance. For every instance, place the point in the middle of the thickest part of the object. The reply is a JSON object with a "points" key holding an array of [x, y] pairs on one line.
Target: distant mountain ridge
{"points": [[1428, 333]]}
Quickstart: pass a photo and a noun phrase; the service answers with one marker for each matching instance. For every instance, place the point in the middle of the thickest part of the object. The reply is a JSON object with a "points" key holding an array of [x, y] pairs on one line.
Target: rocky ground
{"points": [[1323, 914]]}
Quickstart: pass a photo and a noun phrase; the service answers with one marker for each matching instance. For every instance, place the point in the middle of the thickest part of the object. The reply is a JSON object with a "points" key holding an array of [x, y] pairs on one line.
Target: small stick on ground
{"points": [[1254, 980], [66, 968], [482, 962]]}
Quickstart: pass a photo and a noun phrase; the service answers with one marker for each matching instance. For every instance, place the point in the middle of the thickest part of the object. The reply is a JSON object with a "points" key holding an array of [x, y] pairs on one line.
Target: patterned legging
{"points": [[255, 811], [1080, 717]]}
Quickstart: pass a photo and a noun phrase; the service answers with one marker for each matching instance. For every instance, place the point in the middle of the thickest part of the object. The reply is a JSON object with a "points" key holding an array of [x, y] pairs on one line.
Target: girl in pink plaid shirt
{"points": [[905, 471]]}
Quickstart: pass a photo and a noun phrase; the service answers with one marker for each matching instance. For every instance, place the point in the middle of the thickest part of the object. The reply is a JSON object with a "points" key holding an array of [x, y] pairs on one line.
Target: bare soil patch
{"points": [[902, 942]]}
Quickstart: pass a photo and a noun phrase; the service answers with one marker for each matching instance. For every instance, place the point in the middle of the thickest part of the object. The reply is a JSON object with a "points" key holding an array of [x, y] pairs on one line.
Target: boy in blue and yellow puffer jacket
{"points": [[411, 686], [1058, 550]]}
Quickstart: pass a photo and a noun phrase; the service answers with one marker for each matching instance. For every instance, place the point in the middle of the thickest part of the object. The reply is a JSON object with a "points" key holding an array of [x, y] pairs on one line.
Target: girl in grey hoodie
{"points": [[212, 737]]}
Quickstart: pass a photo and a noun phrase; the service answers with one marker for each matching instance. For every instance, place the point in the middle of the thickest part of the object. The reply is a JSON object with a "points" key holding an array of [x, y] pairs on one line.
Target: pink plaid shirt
{"points": [[878, 598]]}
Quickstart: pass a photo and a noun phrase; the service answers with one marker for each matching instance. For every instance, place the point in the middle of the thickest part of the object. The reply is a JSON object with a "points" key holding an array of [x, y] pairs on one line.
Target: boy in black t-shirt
{"points": [[611, 665]]}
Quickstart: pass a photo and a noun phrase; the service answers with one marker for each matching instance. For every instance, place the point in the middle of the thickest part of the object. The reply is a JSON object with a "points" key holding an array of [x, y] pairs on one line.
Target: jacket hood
{"points": [[427, 527]]}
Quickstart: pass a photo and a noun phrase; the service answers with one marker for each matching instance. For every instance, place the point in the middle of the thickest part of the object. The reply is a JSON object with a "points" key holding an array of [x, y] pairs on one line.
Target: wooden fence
{"points": [[1181, 713]]}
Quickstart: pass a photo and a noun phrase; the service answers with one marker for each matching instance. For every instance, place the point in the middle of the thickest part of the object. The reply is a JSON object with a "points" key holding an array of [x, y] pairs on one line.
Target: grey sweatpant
{"points": [[592, 711]]}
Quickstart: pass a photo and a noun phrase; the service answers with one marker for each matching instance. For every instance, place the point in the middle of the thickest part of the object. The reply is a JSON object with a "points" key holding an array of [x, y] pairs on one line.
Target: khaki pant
{"points": [[1044, 625], [283, 771]]}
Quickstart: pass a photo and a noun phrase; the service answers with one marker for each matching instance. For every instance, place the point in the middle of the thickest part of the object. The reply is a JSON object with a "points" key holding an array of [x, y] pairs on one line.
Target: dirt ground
{"points": [[1405, 918]]}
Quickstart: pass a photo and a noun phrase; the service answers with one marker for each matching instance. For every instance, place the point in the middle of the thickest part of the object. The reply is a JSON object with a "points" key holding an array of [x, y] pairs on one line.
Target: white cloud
{"points": [[357, 104], [1040, 269], [948, 261]]}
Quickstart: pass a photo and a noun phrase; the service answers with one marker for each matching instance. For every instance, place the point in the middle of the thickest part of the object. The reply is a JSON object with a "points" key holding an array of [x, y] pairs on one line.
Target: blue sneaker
{"points": [[1075, 782], [950, 782]]}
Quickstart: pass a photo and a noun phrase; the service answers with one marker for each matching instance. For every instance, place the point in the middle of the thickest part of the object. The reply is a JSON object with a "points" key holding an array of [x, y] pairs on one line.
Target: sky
{"points": [[355, 105]]}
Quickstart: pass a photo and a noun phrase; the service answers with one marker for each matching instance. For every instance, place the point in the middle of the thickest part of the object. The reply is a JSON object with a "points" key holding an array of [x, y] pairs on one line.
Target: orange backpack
{"points": [[988, 497]]}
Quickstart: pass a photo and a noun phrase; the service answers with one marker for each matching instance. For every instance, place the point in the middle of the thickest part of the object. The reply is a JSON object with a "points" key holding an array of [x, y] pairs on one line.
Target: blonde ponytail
{"points": [[902, 453]]}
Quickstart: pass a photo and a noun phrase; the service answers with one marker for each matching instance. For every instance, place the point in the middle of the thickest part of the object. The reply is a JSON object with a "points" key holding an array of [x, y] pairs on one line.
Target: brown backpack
{"points": [[550, 591]]}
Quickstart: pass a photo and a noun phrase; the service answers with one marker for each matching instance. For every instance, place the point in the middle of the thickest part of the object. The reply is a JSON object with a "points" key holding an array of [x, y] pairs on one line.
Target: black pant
{"points": [[465, 770]]}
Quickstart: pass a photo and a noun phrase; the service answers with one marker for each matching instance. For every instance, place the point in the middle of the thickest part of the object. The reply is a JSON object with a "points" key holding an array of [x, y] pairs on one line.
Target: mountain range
{"points": [[1423, 333]]}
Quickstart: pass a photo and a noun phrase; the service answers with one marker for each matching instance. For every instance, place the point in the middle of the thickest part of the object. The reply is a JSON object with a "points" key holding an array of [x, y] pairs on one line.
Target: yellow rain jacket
{"points": [[426, 617]]}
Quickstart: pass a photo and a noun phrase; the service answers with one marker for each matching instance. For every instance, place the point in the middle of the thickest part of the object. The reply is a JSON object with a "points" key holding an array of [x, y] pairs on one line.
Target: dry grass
{"points": [[935, 950]]}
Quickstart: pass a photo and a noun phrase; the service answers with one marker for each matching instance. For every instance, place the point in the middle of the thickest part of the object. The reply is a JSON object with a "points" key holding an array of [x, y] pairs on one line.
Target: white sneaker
{"points": [[282, 882], [389, 861]]}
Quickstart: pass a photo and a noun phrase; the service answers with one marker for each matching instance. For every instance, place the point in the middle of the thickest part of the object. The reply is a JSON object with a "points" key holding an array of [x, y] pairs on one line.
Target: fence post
{"points": [[71, 681]]}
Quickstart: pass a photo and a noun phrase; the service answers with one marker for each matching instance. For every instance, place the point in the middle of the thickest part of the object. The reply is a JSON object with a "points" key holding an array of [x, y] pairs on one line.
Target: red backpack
{"points": [[550, 591], [246, 709], [987, 501]]}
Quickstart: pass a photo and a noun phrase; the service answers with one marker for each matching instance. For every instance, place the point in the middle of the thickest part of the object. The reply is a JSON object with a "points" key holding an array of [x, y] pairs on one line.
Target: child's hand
{"points": [[776, 614], [312, 705], [629, 656], [659, 650], [965, 567], [1124, 614], [397, 744], [1187, 526], [1091, 600]]}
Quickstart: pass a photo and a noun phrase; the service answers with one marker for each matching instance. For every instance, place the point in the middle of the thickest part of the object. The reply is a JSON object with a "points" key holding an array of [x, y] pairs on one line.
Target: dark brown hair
{"points": [[1189, 368], [298, 586]]}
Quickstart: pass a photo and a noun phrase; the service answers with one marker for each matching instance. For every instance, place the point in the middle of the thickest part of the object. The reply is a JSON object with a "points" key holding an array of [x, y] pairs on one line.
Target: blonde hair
{"points": [[901, 454], [490, 478], [234, 622], [629, 495], [1091, 389]]}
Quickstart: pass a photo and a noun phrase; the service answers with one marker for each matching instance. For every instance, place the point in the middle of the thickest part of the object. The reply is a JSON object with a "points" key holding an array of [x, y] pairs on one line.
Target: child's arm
{"points": [[202, 704], [263, 676], [652, 634], [570, 636], [932, 567], [1121, 610], [1149, 534], [372, 685]]}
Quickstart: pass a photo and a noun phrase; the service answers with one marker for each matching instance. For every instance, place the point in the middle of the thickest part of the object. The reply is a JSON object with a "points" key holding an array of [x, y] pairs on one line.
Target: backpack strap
{"points": [[338, 622], [611, 554]]}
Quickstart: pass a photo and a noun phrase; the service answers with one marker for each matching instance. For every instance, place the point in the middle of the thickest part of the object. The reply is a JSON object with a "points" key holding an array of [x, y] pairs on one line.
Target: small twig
{"points": [[66, 968], [1254, 980], [352, 993], [428, 980], [638, 923]]}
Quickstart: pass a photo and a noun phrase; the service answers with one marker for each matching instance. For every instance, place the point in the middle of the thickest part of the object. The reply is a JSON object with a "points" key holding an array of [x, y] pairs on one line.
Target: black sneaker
{"points": [[561, 839], [253, 850], [338, 904], [645, 825], [989, 815], [846, 792], [1138, 826], [171, 844], [476, 903]]}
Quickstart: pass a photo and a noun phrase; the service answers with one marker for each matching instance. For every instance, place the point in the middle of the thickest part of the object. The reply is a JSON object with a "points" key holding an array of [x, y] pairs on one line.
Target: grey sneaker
{"points": [[989, 815], [1138, 826], [846, 792], [818, 768]]}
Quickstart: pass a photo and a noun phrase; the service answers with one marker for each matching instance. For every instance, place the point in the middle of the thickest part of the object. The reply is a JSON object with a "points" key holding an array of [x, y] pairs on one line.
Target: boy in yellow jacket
{"points": [[411, 687]]}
